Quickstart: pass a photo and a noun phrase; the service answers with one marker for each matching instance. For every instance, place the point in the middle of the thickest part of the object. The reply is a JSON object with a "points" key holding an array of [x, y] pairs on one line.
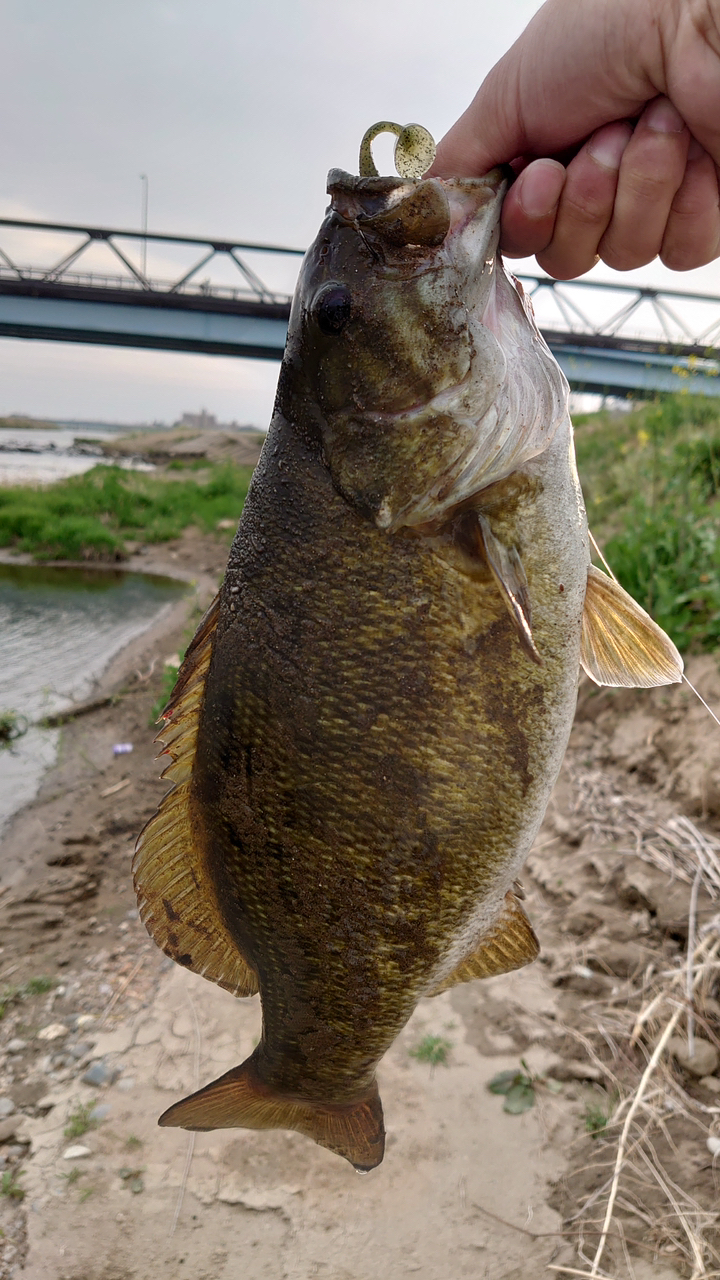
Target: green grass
{"points": [[595, 1119], [433, 1050], [168, 684], [33, 987], [651, 479], [89, 517], [80, 1120], [9, 1185]]}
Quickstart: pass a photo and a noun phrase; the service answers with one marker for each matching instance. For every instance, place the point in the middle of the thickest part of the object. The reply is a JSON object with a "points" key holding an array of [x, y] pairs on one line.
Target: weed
{"points": [[86, 1191], [133, 1180], [72, 1176], [595, 1119], [38, 986], [519, 1087], [80, 1120], [433, 1050], [12, 725], [33, 987], [9, 1185], [168, 684], [131, 1142]]}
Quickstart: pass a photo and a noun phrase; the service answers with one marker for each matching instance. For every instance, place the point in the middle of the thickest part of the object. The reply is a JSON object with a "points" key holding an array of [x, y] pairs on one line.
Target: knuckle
{"points": [[626, 257]]}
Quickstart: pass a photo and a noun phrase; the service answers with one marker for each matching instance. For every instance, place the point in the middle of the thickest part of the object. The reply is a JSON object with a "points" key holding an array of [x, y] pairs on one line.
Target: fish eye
{"points": [[332, 308]]}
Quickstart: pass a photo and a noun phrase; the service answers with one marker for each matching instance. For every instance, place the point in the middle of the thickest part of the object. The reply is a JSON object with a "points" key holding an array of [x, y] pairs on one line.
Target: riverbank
{"points": [[101, 1033]]}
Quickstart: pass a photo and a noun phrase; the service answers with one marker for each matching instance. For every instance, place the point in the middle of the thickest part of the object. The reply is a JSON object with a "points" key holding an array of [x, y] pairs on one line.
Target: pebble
{"points": [[713, 1146], [7, 1106], [16, 1046], [712, 1083], [705, 1059], [76, 1153], [126, 1084], [81, 1049], [84, 1020], [55, 1031], [101, 1112], [100, 1073]]}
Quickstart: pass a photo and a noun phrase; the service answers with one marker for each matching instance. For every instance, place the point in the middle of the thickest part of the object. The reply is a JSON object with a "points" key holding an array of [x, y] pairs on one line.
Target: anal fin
{"points": [[507, 569], [510, 945], [176, 896], [621, 645], [239, 1099]]}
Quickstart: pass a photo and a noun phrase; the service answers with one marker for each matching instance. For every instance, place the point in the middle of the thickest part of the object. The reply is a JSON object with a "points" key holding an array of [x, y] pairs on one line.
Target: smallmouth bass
{"points": [[369, 721]]}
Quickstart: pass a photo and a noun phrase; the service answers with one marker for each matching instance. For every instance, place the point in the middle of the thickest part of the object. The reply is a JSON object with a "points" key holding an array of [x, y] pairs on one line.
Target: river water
{"points": [[30, 455], [59, 629]]}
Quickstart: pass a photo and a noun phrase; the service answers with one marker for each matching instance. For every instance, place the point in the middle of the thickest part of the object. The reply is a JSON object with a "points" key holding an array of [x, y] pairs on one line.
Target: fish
{"points": [[368, 723]]}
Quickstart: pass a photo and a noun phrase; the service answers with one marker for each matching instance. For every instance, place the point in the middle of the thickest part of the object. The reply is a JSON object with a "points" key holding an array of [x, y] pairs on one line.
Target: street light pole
{"points": [[144, 218]]}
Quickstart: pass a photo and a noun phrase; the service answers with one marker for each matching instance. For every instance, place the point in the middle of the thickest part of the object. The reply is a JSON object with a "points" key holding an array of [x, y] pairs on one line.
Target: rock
{"points": [[16, 1046], [8, 1127], [85, 1020], [7, 1106], [704, 1061], [711, 1083], [127, 1084], [77, 1152], [81, 1049], [573, 1069], [713, 1146], [55, 1031], [100, 1073], [18, 1149]]}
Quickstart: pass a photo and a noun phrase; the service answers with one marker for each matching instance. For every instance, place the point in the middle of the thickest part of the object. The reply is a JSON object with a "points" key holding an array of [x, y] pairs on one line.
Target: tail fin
{"points": [[239, 1099]]}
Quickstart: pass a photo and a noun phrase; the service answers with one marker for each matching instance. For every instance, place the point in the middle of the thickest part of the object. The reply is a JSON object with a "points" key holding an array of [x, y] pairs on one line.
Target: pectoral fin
{"points": [[507, 569], [510, 945], [621, 645]]}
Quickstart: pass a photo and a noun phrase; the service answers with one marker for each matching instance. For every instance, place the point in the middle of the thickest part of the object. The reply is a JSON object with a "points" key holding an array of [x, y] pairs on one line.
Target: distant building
{"points": [[204, 421]]}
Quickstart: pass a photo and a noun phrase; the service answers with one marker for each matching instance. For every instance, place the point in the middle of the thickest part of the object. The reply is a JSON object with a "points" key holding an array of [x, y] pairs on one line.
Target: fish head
{"points": [[393, 363]]}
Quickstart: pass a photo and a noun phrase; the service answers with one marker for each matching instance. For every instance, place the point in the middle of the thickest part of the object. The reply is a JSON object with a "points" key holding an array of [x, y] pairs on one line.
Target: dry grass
{"points": [[626, 1037]]}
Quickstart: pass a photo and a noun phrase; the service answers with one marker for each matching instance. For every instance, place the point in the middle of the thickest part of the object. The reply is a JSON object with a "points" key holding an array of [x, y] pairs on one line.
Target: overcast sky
{"points": [[235, 109]]}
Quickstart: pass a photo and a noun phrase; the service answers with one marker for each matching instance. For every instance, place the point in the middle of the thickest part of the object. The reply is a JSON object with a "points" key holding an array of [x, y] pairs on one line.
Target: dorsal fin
{"points": [[510, 944], [621, 645], [176, 895]]}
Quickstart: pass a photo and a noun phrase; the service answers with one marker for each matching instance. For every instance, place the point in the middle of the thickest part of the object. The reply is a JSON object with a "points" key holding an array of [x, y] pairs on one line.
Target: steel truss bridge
{"points": [[187, 293]]}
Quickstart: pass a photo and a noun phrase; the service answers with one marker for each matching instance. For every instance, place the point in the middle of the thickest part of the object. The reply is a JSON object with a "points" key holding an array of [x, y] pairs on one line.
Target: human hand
{"points": [[580, 72]]}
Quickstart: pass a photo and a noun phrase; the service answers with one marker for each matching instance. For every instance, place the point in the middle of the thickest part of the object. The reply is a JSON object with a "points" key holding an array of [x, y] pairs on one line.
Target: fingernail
{"points": [[539, 188], [607, 145], [663, 118]]}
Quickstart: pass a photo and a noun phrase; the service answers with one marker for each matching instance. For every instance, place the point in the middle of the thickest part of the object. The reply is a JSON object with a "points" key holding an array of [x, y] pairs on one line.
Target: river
{"points": [[34, 455], [59, 629]]}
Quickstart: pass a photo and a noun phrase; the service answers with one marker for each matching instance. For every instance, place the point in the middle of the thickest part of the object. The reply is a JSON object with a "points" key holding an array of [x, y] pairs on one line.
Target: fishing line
{"points": [[600, 556], [690, 686]]}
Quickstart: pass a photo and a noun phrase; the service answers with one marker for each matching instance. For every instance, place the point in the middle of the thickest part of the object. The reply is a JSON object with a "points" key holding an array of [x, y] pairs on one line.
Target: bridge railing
{"points": [[130, 249], [55, 259]]}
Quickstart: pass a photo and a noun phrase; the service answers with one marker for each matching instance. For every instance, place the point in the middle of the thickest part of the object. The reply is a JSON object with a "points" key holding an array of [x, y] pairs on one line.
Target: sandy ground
{"points": [[465, 1189]]}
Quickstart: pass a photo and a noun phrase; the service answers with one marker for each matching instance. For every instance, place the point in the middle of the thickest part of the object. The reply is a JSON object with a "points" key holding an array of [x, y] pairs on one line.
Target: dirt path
{"points": [[466, 1189]]}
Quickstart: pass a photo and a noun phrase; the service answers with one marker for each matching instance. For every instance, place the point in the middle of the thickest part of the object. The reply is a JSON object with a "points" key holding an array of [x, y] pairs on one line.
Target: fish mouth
{"points": [[425, 213]]}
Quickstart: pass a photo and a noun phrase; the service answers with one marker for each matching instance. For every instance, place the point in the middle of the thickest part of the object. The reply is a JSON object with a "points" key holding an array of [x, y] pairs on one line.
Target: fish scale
{"points": [[368, 725]]}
